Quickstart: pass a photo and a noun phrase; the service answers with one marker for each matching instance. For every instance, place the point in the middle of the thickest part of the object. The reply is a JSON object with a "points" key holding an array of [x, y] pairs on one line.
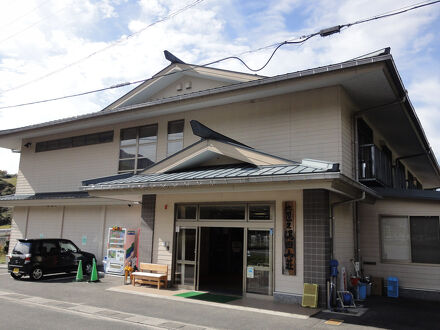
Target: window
{"points": [[222, 212], [67, 246], [186, 212], [411, 239], [75, 141], [175, 136], [260, 212], [138, 148]]}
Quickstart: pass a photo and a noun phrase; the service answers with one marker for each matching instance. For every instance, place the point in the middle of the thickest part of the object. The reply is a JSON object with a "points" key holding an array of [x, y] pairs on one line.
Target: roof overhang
{"points": [[331, 181], [364, 79], [371, 83], [31, 200]]}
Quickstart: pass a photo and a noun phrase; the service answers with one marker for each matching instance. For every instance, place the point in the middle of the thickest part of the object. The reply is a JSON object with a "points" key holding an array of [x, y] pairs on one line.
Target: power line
{"points": [[173, 14], [300, 40], [32, 25], [24, 15]]}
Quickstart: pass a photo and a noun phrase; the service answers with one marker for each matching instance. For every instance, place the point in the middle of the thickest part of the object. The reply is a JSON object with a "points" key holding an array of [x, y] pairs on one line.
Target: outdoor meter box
{"points": [[121, 249]]}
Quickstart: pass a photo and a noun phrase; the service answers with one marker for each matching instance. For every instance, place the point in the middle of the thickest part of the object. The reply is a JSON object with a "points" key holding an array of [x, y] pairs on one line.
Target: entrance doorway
{"points": [[225, 247], [221, 259]]}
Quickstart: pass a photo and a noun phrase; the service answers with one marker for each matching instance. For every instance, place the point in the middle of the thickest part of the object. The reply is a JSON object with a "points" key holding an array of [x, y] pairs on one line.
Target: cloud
{"points": [[70, 30]]}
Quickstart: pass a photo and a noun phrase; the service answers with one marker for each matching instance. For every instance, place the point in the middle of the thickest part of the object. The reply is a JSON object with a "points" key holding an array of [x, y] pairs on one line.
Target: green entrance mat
{"points": [[207, 297]]}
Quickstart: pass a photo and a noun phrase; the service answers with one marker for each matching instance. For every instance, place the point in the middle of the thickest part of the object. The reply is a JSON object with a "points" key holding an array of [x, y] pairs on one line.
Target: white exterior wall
{"points": [[87, 222], [45, 222], [64, 169], [18, 226], [410, 275], [164, 230], [73, 222], [122, 216], [293, 126], [343, 240]]}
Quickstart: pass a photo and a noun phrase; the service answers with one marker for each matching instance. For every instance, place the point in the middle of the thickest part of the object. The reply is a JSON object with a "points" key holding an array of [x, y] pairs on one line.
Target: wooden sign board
{"points": [[289, 238]]}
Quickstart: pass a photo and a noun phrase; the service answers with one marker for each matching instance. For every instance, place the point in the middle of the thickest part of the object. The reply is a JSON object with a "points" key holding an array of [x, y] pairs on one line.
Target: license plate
{"points": [[16, 270]]}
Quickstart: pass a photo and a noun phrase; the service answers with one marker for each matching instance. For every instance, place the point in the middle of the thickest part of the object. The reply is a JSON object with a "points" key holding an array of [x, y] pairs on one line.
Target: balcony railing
{"points": [[374, 166]]}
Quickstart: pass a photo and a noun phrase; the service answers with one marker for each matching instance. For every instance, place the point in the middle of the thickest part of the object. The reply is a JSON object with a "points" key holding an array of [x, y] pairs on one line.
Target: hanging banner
{"points": [[289, 238]]}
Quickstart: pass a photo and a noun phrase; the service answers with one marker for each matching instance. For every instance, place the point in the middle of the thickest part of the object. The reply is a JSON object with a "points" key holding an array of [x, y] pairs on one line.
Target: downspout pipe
{"points": [[332, 218]]}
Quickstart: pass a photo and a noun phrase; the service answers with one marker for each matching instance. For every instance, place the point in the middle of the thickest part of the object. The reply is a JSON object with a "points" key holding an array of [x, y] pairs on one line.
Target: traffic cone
{"points": [[94, 275], [79, 272]]}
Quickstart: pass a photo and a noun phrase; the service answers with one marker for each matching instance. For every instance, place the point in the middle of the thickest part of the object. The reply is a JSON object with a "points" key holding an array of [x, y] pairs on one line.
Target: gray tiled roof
{"points": [[209, 173], [50, 195]]}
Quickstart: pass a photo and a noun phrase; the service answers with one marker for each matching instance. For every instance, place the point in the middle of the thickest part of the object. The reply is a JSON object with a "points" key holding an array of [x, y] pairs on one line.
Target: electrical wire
{"points": [[173, 14], [301, 40], [24, 15], [32, 25]]}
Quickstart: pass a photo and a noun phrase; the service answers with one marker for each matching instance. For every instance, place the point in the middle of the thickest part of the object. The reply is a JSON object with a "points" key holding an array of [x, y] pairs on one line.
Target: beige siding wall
{"points": [[347, 109], [63, 170], [164, 229], [197, 84], [122, 216], [74, 222], [411, 275], [87, 222], [18, 226], [44, 222], [343, 236], [293, 126]]}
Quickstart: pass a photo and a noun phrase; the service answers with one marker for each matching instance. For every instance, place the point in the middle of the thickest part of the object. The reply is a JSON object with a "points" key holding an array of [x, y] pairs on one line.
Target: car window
{"points": [[22, 248], [49, 248], [67, 247]]}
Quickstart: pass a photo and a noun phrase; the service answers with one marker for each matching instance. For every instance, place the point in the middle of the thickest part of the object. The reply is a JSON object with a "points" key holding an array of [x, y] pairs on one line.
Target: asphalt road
{"points": [[58, 302]]}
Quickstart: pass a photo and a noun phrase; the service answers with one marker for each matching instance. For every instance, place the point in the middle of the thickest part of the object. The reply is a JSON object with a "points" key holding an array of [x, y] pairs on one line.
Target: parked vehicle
{"points": [[37, 257]]}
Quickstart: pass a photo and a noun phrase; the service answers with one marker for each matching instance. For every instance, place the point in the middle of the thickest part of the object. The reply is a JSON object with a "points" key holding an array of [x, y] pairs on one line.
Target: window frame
{"points": [[175, 140], [247, 205], [381, 247], [138, 142]]}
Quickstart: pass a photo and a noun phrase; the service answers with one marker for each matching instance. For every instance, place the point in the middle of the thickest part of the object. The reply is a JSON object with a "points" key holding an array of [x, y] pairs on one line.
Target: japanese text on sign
{"points": [[289, 238]]}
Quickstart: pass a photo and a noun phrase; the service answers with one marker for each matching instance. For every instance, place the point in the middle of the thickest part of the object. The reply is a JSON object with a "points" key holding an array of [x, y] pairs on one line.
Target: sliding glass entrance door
{"points": [[259, 261], [186, 257]]}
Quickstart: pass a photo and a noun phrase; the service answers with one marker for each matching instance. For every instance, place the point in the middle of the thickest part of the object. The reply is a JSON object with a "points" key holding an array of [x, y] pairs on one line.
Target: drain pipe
{"points": [[332, 217], [331, 286]]}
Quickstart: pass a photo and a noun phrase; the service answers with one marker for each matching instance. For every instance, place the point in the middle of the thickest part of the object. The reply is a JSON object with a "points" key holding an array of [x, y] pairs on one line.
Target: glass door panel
{"points": [[259, 262], [184, 273]]}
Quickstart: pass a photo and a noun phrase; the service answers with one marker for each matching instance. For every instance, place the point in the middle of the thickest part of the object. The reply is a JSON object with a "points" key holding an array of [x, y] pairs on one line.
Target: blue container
{"points": [[393, 287], [334, 268], [362, 287]]}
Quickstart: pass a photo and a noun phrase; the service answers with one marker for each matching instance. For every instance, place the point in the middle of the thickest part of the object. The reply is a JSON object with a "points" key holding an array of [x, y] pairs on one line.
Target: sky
{"points": [[52, 48]]}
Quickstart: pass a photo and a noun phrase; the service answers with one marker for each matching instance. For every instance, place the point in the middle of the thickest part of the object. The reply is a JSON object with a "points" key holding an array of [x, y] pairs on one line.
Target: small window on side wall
{"points": [[175, 136], [410, 239]]}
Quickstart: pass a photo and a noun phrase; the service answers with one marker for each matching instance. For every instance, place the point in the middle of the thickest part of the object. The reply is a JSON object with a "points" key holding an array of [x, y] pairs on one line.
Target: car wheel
{"points": [[37, 273], [87, 269], [16, 276]]}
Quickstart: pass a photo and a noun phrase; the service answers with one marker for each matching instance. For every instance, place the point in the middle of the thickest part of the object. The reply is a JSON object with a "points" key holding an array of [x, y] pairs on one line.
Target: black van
{"points": [[35, 257]]}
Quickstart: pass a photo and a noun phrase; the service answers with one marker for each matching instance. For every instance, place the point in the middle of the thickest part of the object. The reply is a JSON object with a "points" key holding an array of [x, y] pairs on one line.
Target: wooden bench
{"points": [[151, 274]]}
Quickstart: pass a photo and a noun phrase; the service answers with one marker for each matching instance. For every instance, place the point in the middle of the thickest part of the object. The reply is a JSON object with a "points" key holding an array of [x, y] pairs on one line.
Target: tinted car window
{"points": [[49, 248], [22, 248], [67, 247]]}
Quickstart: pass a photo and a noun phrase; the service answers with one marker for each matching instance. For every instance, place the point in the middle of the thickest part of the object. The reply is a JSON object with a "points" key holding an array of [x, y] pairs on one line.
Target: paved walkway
{"points": [[260, 305], [103, 313]]}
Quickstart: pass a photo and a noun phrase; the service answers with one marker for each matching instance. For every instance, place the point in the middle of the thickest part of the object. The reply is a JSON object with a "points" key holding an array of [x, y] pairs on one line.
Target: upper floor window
{"points": [[175, 136], [75, 141], [138, 148]]}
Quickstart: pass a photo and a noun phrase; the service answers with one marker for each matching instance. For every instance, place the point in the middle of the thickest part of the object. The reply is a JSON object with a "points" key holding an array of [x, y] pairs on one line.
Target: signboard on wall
{"points": [[289, 238]]}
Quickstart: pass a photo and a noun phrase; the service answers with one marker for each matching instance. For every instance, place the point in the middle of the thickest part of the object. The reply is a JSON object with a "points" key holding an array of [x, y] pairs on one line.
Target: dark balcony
{"points": [[375, 166]]}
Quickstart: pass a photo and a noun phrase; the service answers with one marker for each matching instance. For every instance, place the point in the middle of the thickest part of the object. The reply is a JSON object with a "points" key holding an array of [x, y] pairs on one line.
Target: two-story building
{"points": [[242, 183]]}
